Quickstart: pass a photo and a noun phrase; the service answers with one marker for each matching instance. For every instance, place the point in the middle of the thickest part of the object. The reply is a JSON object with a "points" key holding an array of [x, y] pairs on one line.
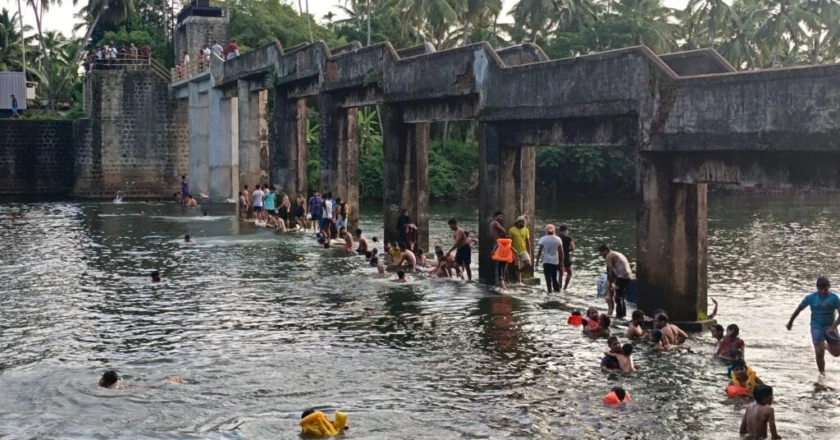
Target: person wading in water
{"points": [[618, 272]]}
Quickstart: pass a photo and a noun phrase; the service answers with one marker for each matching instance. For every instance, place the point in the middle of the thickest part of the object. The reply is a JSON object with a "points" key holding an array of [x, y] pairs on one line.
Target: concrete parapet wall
{"points": [[36, 157]]}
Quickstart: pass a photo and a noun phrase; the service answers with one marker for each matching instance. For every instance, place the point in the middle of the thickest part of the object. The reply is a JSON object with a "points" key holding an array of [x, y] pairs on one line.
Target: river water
{"points": [[262, 326]]}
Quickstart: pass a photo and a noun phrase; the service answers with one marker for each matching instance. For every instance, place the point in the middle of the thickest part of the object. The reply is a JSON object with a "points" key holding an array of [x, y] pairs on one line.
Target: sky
{"points": [[60, 18]]}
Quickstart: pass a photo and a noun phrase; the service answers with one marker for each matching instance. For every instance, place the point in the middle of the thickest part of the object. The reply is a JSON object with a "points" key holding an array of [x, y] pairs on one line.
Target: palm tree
{"points": [[427, 17], [648, 22], [783, 27], [474, 11]]}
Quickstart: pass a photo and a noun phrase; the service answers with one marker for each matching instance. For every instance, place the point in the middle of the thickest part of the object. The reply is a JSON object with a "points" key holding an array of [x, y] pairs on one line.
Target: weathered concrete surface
{"points": [[671, 241], [770, 170], [506, 179], [193, 33], [339, 142], [406, 175], [199, 133], [36, 157], [792, 109], [697, 62], [224, 139], [250, 158], [668, 107], [288, 153], [133, 145]]}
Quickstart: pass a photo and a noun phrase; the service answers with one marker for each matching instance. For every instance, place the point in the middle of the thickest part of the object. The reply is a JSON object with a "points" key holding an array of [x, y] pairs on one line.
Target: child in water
{"points": [[659, 343], [760, 415], [400, 277], [744, 376], [317, 424], [625, 360]]}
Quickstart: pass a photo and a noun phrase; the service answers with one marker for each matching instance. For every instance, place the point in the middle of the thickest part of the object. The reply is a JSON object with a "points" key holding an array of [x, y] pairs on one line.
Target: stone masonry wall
{"points": [[36, 157], [196, 31], [137, 142]]}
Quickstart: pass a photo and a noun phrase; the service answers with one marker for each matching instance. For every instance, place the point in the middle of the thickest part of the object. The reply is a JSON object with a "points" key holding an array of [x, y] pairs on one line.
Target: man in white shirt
{"points": [[550, 246], [259, 213], [217, 48]]}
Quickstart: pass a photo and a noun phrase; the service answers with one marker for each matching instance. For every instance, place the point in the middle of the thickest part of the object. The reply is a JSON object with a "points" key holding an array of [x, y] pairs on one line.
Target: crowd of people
{"points": [[109, 56], [327, 217], [186, 68]]}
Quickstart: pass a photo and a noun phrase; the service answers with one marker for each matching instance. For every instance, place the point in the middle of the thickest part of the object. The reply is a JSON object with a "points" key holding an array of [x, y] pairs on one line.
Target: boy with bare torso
{"points": [[760, 415]]}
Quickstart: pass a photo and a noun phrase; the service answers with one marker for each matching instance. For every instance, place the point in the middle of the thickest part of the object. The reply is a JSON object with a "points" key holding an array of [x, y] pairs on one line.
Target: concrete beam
{"points": [[783, 110], [769, 169], [224, 146], [199, 129], [406, 175], [598, 132]]}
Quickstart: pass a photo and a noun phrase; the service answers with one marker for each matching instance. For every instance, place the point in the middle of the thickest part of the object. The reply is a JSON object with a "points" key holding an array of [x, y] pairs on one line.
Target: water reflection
{"points": [[263, 325]]}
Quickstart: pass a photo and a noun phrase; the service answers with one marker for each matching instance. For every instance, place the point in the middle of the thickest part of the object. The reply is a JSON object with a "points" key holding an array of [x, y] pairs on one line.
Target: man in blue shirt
{"points": [[315, 209], [823, 304]]}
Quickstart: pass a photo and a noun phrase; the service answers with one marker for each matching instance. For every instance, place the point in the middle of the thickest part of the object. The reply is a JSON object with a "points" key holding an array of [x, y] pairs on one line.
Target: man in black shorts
{"points": [[568, 247], [463, 256]]}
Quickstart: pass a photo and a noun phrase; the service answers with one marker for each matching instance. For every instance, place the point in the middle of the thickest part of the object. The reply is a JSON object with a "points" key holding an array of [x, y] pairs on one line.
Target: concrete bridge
{"points": [[691, 117]]}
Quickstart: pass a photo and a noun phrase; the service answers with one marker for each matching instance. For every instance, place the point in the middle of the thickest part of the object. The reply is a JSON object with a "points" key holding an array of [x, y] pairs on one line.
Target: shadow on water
{"points": [[263, 325]]}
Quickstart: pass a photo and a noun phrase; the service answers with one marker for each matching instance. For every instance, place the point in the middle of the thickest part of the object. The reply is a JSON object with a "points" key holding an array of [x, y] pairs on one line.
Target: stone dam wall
{"points": [[138, 139], [36, 157]]}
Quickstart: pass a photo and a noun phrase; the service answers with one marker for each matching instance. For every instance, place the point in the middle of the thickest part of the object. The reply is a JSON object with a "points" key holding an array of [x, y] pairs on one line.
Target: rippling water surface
{"points": [[262, 326]]}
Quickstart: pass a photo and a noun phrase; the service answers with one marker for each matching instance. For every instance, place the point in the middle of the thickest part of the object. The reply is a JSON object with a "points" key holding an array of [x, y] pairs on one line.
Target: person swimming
{"points": [[155, 276], [624, 357], [400, 277], [317, 424], [187, 239], [110, 379], [744, 376], [610, 363], [730, 341], [617, 396]]}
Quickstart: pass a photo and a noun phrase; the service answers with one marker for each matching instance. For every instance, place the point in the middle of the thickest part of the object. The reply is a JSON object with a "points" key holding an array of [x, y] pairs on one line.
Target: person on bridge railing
{"points": [[146, 52], [232, 50], [217, 49], [185, 62]]}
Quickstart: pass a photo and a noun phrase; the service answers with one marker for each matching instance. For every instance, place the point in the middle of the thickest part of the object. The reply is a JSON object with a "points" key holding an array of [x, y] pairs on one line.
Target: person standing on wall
{"points": [[618, 272], [217, 49], [185, 63], [146, 51], [232, 50]]}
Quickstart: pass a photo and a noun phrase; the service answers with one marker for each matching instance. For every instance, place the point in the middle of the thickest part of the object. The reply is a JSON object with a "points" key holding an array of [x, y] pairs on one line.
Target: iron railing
{"points": [[190, 70], [130, 62]]}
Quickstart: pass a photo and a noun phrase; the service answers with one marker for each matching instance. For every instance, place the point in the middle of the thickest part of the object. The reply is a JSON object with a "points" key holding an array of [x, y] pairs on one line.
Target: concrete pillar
{"points": [[224, 146], [506, 184], [406, 174], [288, 153], [340, 154], [671, 242], [199, 174], [250, 171]]}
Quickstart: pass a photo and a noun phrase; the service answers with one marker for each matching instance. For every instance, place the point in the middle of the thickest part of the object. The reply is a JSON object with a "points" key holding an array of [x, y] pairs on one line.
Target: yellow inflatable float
{"points": [[317, 424]]}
